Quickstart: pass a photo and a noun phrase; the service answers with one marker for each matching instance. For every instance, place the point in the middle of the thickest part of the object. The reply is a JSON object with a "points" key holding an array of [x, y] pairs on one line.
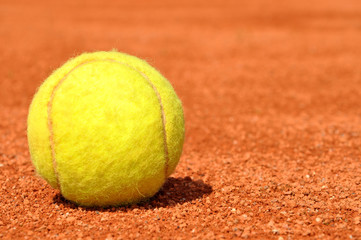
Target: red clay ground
{"points": [[271, 93]]}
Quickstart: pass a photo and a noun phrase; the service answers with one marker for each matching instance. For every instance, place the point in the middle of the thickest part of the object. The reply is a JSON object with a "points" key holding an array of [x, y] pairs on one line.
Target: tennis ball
{"points": [[105, 129]]}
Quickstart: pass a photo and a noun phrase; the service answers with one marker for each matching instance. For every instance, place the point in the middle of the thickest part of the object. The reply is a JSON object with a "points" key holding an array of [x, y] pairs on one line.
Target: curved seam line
{"points": [[166, 153], [50, 121], [50, 124]]}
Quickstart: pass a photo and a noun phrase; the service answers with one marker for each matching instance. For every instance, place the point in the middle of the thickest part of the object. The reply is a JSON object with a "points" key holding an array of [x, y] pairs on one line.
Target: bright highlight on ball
{"points": [[106, 129]]}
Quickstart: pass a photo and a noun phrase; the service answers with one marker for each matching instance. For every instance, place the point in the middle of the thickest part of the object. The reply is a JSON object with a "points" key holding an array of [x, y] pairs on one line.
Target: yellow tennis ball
{"points": [[106, 129]]}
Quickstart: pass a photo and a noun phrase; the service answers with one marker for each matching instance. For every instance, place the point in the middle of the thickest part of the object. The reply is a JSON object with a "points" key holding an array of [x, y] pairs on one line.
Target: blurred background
{"points": [[224, 58]]}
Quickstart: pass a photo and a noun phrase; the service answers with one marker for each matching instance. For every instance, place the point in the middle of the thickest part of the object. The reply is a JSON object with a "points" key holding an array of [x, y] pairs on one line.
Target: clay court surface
{"points": [[272, 99]]}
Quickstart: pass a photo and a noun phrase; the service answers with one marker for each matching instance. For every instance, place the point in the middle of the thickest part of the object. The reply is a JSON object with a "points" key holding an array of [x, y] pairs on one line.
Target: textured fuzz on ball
{"points": [[106, 128]]}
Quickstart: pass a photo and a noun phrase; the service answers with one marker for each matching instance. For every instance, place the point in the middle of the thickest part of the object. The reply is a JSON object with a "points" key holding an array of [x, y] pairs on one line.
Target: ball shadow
{"points": [[174, 191]]}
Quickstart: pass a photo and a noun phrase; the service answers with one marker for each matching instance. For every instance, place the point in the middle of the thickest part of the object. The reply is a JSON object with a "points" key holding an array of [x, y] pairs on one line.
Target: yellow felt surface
{"points": [[107, 129]]}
